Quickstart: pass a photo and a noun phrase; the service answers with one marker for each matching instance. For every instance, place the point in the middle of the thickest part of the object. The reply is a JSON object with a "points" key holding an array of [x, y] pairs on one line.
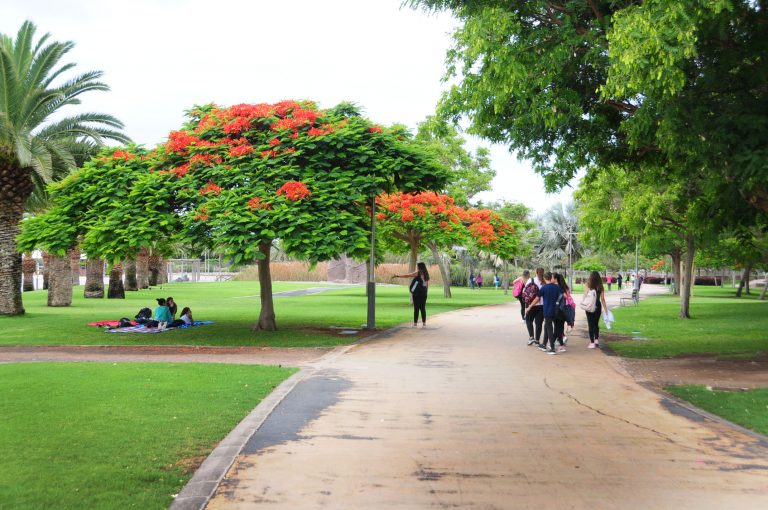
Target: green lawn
{"points": [[721, 324], [97, 435], [234, 307], [746, 408]]}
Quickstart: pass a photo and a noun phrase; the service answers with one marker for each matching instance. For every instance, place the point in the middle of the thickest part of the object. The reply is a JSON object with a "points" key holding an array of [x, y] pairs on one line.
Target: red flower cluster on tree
{"points": [[658, 265], [258, 203], [294, 190], [121, 154], [270, 154], [204, 159], [202, 214], [376, 129], [273, 142], [240, 150], [237, 126], [178, 141], [211, 188]]}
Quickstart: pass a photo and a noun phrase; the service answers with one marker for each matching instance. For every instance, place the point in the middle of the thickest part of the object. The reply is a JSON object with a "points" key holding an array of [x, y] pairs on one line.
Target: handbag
{"points": [[589, 302]]}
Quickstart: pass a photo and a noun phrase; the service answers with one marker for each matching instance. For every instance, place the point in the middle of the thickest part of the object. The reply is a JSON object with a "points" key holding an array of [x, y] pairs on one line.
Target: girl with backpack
{"points": [[517, 290], [593, 304], [418, 289], [534, 315]]}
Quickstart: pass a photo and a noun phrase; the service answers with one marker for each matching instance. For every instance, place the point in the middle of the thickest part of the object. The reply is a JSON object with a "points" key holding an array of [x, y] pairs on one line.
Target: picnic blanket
{"points": [[143, 329]]}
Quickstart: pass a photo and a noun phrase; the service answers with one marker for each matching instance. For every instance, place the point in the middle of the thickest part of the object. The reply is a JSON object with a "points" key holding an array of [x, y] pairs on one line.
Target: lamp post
{"points": [[371, 287]]}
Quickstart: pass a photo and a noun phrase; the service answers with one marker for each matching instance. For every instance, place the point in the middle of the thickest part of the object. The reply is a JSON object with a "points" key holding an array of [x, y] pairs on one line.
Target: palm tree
{"points": [[558, 228], [33, 147]]}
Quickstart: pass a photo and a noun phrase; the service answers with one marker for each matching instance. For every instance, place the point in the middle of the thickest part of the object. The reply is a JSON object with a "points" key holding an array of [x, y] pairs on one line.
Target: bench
{"points": [[635, 299]]}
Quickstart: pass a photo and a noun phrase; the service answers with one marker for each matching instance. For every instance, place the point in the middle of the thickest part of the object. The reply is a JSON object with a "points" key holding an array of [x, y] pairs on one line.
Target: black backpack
{"points": [[561, 312], [144, 315], [125, 322]]}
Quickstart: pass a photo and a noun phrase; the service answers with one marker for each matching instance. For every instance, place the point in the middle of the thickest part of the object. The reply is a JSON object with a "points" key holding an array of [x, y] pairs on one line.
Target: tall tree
{"points": [[32, 143]]}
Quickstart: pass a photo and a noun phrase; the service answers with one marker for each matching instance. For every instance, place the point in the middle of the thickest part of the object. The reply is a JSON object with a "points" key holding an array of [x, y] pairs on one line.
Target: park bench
{"points": [[635, 298]]}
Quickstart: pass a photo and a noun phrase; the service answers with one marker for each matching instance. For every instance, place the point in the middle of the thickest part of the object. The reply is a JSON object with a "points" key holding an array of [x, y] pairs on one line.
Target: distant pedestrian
{"points": [[609, 281], [479, 280], [517, 290], [418, 289], [472, 281], [593, 304], [496, 281], [619, 279]]}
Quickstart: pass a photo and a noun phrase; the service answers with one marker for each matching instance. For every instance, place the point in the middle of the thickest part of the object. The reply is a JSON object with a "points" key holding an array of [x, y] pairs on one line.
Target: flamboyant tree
{"points": [[426, 218], [250, 174], [433, 220]]}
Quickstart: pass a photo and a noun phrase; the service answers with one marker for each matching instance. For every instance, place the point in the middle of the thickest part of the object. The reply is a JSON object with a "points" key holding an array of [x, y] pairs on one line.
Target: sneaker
{"points": [[591, 345], [414, 325], [551, 353], [565, 340], [423, 324], [531, 341], [542, 347], [597, 344], [561, 348]]}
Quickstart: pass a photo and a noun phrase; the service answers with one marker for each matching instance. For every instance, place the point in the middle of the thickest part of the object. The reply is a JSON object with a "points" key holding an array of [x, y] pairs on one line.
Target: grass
{"points": [[720, 324], [103, 436], [303, 321], [746, 408]]}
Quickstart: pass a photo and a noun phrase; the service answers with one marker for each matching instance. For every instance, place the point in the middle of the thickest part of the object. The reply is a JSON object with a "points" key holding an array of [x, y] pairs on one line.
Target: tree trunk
{"points": [[677, 257], [11, 211], [444, 271], [60, 281], [74, 265], [414, 254], [765, 287], [142, 269], [162, 275], [744, 280], [154, 270], [267, 314], [131, 283], [46, 273], [505, 283], [685, 291], [116, 289], [94, 278], [28, 267]]}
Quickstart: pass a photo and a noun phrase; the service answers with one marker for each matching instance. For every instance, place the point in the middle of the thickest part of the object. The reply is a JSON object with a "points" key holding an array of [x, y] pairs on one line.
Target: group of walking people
{"points": [[547, 306]]}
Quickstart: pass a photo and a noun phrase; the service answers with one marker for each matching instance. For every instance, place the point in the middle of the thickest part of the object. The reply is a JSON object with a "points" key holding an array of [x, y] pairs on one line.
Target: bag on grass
{"points": [[125, 322]]}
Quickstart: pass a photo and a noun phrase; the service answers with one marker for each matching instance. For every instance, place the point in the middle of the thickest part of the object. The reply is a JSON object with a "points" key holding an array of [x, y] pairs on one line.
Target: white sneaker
{"points": [[591, 345]]}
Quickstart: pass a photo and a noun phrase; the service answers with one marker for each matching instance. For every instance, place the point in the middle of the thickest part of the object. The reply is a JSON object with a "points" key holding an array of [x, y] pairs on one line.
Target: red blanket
{"points": [[111, 324]]}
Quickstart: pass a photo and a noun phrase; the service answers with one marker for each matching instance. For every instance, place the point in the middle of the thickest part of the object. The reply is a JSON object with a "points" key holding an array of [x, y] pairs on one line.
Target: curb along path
{"points": [[464, 414]]}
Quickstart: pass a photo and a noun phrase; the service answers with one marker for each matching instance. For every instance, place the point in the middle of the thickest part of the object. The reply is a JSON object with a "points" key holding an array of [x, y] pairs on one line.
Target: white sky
{"points": [[161, 57]]}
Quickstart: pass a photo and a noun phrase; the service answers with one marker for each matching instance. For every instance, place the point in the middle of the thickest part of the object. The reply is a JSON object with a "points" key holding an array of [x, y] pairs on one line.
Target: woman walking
{"points": [[418, 289], [593, 304]]}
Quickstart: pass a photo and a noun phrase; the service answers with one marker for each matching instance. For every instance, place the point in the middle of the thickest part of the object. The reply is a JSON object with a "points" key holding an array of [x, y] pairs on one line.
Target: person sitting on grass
{"points": [[185, 319], [162, 314]]}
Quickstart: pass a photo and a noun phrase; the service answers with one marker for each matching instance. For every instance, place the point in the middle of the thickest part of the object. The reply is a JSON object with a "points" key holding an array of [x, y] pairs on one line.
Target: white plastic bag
{"points": [[608, 319]]}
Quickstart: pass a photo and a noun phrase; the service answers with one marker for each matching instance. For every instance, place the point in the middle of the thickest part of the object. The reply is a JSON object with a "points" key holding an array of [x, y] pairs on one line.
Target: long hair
{"points": [[561, 281], [596, 282], [185, 310], [422, 268]]}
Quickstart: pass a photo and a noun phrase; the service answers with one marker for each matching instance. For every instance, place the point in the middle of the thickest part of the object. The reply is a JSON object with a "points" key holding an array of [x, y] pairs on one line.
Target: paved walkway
{"points": [[464, 415]]}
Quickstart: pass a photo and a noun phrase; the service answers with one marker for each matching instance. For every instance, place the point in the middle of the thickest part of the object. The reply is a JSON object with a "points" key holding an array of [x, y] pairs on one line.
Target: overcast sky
{"points": [[161, 57]]}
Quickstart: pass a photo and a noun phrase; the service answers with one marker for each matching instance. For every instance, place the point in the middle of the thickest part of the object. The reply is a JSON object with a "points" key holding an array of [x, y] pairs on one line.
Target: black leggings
{"points": [[419, 305], [522, 305], [535, 315], [593, 321], [553, 330]]}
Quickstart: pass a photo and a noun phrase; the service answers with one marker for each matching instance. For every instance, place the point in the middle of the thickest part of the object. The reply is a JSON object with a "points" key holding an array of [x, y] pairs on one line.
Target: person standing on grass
{"points": [[548, 295], [534, 314], [609, 281], [517, 290], [479, 280], [418, 289], [594, 304]]}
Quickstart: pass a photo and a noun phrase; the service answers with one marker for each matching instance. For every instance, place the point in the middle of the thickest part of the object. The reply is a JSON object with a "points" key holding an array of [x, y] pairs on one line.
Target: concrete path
{"points": [[464, 415]]}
